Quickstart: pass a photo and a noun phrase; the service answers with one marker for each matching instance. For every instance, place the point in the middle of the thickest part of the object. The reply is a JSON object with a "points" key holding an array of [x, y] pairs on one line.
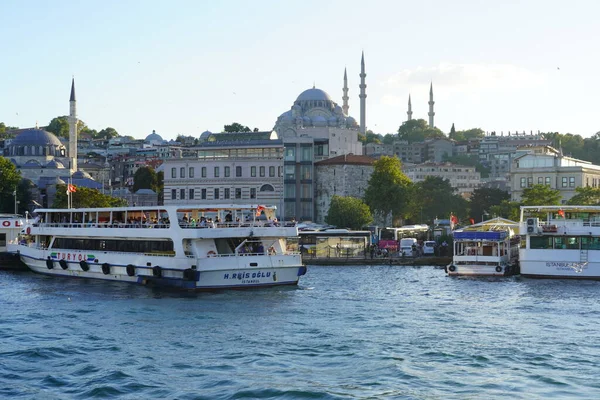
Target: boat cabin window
{"points": [[540, 242], [125, 246]]}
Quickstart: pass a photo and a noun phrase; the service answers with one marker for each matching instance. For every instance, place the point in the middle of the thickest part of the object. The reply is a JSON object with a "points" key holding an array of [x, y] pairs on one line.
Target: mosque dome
{"points": [[81, 174], [306, 121], [319, 121], [153, 137], [56, 181], [286, 116], [32, 164], [313, 94], [204, 135], [333, 121], [55, 164], [37, 137], [351, 121]]}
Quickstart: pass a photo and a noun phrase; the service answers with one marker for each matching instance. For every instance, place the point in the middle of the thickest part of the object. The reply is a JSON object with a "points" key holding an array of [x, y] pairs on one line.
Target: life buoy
{"points": [[63, 264], [49, 263], [189, 274], [84, 265], [157, 272], [452, 268], [5, 223], [498, 269], [106, 268], [29, 230], [130, 270], [211, 254]]}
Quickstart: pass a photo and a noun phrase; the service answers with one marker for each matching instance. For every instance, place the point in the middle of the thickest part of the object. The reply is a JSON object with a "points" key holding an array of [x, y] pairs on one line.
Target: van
{"points": [[429, 247], [406, 246]]}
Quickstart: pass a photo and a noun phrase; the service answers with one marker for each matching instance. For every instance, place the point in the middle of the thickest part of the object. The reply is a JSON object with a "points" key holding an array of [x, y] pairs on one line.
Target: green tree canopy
{"points": [[540, 195], [160, 185], [389, 189], [60, 126], [107, 133], [389, 138], [5, 129], [348, 212], [482, 201], [433, 198], [85, 197], [9, 182], [236, 127], [506, 209], [145, 178], [475, 133], [586, 196], [417, 130]]}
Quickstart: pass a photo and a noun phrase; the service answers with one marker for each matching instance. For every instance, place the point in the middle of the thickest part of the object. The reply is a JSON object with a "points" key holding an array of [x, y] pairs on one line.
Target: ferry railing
{"points": [[118, 225]]}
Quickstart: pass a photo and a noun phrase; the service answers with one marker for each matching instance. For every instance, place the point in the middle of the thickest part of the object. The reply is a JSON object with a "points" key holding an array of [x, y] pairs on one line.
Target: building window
{"points": [[290, 154], [547, 180], [182, 172], [227, 172], [530, 182], [226, 193], [191, 172], [238, 173], [253, 172], [564, 181], [182, 194], [305, 172], [261, 171], [191, 194], [203, 194], [523, 182], [216, 194], [572, 181], [173, 194], [203, 172], [271, 172], [216, 172], [540, 180], [238, 193], [290, 172], [252, 193], [173, 172]]}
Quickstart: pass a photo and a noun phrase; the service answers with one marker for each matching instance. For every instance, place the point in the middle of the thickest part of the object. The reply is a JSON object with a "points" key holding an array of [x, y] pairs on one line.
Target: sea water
{"points": [[355, 332]]}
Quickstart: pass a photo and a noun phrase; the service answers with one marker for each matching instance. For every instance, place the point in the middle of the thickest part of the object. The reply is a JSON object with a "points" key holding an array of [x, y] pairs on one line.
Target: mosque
{"points": [[44, 160]]}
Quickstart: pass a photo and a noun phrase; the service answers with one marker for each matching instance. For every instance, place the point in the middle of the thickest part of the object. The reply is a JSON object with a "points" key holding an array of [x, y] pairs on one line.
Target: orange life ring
{"points": [[29, 230], [6, 223], [211, 254]]}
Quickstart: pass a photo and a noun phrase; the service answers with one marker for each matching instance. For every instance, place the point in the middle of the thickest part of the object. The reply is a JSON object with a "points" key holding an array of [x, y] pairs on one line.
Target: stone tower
{"points": [[345, 96], [73, 128], [409, 112], [363, 96], [431, 103]]}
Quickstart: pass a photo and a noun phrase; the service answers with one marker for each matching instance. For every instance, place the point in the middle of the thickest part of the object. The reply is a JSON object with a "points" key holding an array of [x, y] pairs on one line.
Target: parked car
{"points": [[429, 247]]}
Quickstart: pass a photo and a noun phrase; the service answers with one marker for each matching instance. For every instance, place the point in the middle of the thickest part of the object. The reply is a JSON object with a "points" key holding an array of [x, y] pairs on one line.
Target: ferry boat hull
{"points": [[480, 270], [542, 264]]}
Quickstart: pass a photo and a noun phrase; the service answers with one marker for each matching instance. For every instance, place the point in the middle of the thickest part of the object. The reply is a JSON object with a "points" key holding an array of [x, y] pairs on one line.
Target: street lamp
{"points": [[15, 194]]}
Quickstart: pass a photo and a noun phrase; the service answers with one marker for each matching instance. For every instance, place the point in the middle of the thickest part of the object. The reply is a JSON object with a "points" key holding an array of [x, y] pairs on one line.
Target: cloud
{"points": [[469, 77]]}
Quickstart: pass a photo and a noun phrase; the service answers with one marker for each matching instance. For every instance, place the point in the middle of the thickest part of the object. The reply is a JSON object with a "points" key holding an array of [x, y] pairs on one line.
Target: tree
{"points": [[507, 209], [9, 181], [452, 134], [483, 199], [107, 133], [389, 138], [5, 129], [417, 130], [85, 197], [433, 198], [586, 196], [60, 126], [348, 212], [475, 133], [389, 189], [540, 195], [160, 185], [145, 178], [236, 127]]}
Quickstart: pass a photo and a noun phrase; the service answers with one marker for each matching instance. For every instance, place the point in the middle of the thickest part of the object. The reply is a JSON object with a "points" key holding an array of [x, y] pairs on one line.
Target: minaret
{"points": [[431, 103], [409, 112], [73, 129], [363, 96], [345, 97]]}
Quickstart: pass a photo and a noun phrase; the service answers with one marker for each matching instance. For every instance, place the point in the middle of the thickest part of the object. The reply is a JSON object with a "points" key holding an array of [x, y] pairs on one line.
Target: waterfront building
{"points": [[548, 166], [346, 175], [236, 168]]}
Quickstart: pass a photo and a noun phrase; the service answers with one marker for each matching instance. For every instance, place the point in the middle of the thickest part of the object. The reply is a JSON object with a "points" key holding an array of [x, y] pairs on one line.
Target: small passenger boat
{"points": [[11, 226], [487, 249], [189, 247]]}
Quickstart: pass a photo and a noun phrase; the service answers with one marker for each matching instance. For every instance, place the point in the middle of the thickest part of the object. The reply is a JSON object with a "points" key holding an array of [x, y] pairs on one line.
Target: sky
{"points": [[183, 67]]}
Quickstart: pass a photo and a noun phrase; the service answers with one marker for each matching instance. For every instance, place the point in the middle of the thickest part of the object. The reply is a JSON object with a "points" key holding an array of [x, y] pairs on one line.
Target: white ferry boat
{"points": [[489, 248], [190, 247], [560, 242], [11, 226]]}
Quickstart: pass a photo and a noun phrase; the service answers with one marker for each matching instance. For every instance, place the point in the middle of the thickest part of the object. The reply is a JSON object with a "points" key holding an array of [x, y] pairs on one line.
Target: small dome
{"points": [[153, 137], [55, 164], [36, 137], [204, 135], [332, 121], [307, 121], [32, 163], [81, 174], [145, 191], [319, 121], [56, 181], [351, 121], [313, 94], [286, 116]]}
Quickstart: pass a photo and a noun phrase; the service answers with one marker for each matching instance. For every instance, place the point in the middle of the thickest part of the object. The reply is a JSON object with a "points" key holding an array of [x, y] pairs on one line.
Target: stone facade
{"points": [[463, 178]]}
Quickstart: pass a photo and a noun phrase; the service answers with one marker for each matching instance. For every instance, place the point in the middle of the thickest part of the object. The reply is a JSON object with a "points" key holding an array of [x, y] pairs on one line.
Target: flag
{"points": [[71, 188], [472, 221], [259, 210], [453, 219], [561, 213]]}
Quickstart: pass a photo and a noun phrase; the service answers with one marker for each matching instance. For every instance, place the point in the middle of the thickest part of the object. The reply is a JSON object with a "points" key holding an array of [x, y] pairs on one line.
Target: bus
{"points": [[334, 243], [390, 237]]}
